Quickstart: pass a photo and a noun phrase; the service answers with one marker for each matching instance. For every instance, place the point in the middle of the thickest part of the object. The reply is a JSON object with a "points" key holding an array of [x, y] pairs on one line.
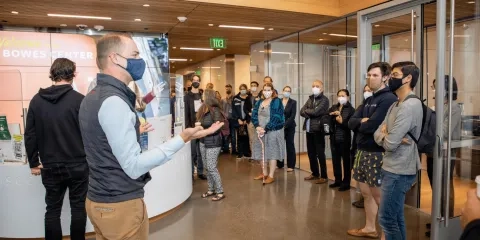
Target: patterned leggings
{"points": [[210, 161]]}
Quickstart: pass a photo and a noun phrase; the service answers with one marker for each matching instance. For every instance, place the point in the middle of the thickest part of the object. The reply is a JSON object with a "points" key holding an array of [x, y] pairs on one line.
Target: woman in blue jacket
{"points": [[268, 119]]}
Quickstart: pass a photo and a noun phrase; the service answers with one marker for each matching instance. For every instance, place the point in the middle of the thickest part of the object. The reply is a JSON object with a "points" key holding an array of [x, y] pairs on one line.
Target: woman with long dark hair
{"points": [[268, 118], [341, 140], [209, 113]]}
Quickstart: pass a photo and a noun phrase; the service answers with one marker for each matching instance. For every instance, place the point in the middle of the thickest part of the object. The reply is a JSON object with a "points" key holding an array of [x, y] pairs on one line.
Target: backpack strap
{"points": [[423, 120]]}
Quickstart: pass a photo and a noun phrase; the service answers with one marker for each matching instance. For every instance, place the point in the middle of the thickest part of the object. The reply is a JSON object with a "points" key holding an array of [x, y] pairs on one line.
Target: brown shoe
{"points": [[259, 177], [269, 180], [360, 233], [321, 181], [311, 177]]}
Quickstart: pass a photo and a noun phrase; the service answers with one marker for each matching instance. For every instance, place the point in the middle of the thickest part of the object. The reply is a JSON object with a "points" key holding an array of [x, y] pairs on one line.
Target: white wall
{"points": [[242, 71]]}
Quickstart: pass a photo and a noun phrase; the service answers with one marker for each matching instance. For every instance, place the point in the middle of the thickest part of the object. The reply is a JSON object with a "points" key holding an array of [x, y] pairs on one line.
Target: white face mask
{"points": [[342, 100], [367, 94], [267, 94], [316, 91], [243, 91], [254, 89]]}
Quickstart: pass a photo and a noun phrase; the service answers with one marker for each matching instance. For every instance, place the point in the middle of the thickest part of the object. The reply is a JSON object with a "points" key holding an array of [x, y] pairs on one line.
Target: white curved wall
{"points": [[22, 196]]}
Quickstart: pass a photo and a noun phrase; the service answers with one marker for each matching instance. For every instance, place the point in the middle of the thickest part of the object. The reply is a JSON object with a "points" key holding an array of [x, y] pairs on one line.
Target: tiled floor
{"points": [[290, 208]]}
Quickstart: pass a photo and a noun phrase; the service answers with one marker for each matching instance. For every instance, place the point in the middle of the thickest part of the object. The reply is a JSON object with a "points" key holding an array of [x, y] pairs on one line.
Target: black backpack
{"points": [[426, 141]]}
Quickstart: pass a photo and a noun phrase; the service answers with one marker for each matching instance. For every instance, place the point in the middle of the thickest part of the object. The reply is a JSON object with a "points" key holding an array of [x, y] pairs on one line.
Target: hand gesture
{"points": [[471, 210], [336, 113], [240, 122], [339, 119], [405, 141], [36, 171], [364, 120], [146, 127], [157, 90], [260, 131]]}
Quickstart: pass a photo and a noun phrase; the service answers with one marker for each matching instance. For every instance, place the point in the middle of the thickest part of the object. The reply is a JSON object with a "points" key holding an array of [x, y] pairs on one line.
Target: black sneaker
{"points": [[335, 185], [429, 225], [239, 156], [359, 203], [427, 234], [202, 176], [344, 188]]}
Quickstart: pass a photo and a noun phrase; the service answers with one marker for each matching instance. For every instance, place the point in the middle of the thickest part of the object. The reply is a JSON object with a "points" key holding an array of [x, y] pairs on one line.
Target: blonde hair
{"points": [[109, 43]]}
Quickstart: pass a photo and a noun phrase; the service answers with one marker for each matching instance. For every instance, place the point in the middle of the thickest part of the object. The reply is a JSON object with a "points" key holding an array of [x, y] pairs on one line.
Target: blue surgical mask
{"points": [[286, 94], [135, 67]]}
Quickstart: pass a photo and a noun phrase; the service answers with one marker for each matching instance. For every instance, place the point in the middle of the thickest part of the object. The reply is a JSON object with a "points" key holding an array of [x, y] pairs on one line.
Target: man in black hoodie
{"points": [[52, 135], [367, 169]]}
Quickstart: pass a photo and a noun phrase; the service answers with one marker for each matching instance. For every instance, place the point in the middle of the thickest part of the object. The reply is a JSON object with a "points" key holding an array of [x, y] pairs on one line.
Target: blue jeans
{"points": [[391, 216]]}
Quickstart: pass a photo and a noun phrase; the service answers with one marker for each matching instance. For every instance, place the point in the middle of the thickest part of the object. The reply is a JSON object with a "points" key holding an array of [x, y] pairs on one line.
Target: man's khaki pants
{"points": [[115, 221]]}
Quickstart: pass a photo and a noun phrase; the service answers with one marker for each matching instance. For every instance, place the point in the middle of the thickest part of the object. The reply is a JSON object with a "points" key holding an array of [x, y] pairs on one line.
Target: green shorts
{"points": [[368, 168]]}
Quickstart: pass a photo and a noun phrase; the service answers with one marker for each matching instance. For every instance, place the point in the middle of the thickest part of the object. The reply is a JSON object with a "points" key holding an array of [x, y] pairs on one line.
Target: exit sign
{"points": [[218, 43], [376, 47]]}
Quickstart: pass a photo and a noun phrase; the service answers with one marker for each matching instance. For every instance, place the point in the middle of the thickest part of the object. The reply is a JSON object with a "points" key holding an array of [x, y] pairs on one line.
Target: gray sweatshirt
{"points": [[404, 117]]}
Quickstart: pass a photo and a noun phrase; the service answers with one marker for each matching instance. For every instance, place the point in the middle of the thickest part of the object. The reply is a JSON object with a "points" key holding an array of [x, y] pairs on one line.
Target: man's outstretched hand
{"points": [[198, 132]]}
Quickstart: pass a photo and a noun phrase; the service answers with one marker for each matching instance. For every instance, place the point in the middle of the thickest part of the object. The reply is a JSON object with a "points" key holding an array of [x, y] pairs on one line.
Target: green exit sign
{"points": [[376, 47], [218, 43]]}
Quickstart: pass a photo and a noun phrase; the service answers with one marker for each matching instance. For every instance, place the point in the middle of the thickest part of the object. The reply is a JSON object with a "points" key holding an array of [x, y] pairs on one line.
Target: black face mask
{"points": [[395, 83], [195, 84]]}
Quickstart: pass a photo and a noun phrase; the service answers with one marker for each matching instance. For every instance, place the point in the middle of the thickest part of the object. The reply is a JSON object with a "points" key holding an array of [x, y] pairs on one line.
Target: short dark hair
{"points": [[243, 85], [62, 69], [408, 68], [454, 87], [384, 68], [345, 91], [254, 82], [228, 85], [199, 78], [271, 79]]}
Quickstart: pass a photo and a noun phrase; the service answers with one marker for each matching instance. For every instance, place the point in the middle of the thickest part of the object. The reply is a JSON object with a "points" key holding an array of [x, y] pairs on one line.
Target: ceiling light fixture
{"points": [[242, 27], [178, 60], [471, 2], [78, 16], [342, 35], [191, 60], [321, 39], [14, 12], [271, 29], [294, 63], [146, 5], [174, 47], [211, 25], [138, 20], [218, 49], [212, 67], [196, 49], [325, 33], [286, 53], [63, 25], [377, 25]]}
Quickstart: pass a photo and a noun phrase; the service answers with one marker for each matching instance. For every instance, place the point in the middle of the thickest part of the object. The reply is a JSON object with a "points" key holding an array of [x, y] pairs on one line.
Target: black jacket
{"points": [[314, 109], [214, 140], [237, 109], [471, 231], [190, 114], [53, 130], [290, 113], [375, 109], [341, 132]]}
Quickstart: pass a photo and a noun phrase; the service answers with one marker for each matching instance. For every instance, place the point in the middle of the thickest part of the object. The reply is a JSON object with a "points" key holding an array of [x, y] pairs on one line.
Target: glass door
{"points": [[456, 161], [391, 33]]}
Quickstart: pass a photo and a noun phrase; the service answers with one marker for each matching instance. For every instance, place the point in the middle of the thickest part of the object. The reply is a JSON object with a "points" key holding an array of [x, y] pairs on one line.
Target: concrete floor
{"points": [[290, 208]]}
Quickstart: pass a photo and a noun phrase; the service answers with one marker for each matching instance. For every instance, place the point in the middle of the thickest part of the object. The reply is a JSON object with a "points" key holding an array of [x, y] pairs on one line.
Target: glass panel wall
{"points": [[325, 53]]}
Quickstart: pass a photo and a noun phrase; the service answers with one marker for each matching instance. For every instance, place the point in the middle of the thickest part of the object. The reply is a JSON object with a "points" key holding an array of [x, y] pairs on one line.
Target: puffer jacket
{"points": [[314, 109], [214, 140], [341, 132]]}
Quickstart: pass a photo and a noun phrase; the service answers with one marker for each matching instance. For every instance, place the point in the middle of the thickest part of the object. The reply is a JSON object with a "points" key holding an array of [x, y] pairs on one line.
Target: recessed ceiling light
{"points": [[242, 27], [191, 60], [178, 59], [146, 5], [211, 25], [377, 25], [174, 47], [271, 29], [321, 39], [173, 67], [325, 33], [211, 67], [138, 20], [78, 16], [14, 12], [63, 25], [218, 49], [221, 60], [342, 35], [471, 2], [196, 49]]}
